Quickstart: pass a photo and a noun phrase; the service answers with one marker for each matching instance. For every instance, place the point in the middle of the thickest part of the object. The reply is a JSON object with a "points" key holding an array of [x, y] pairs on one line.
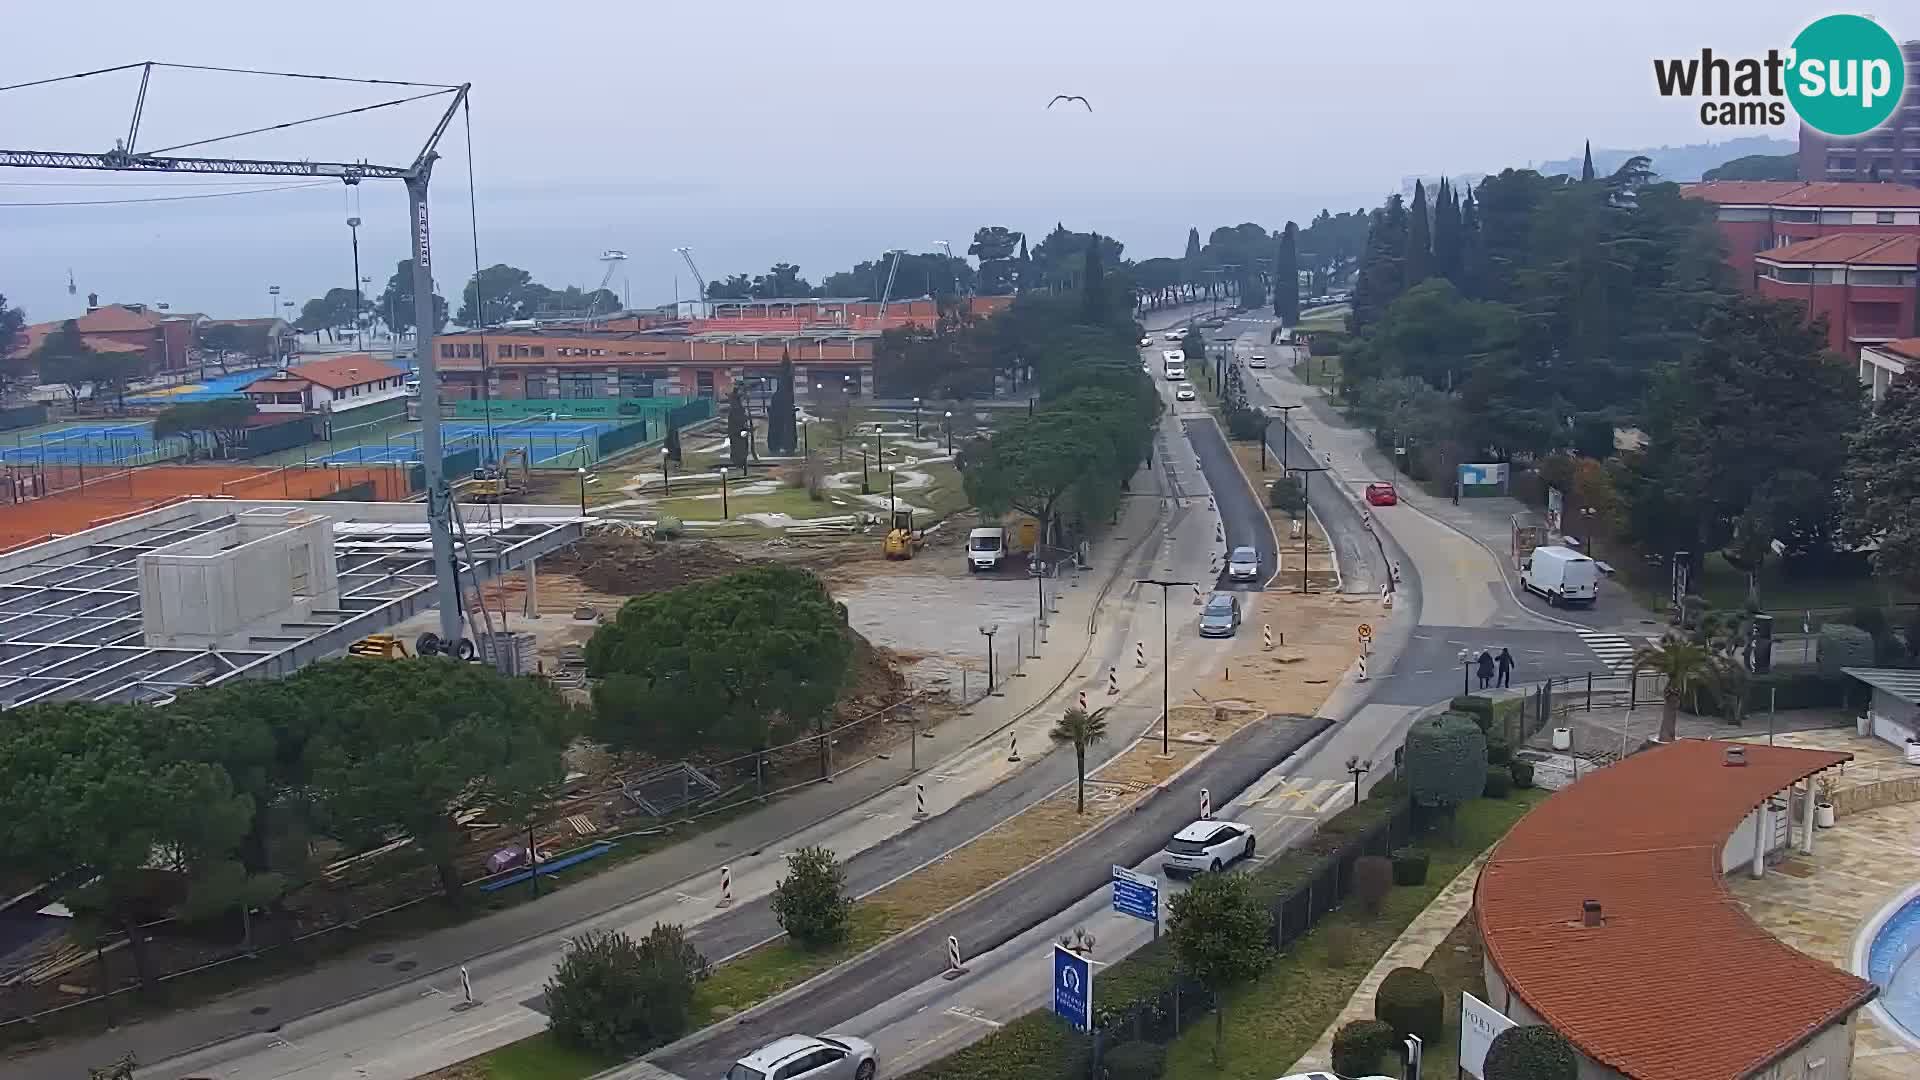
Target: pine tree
{"points": [[1586, 165], [1093, 290], [782, 431], [1382, 276], [1286, 276], [1419, 265], [1446, 234], [1472, 252]]}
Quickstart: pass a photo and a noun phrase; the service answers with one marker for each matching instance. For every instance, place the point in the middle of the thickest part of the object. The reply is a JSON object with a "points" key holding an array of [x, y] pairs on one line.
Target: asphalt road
{"points": [[996, 916], [1243, 521]]}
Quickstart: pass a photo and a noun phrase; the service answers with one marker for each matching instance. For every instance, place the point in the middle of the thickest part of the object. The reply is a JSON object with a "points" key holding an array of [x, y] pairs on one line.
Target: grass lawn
{"points": [[538, 1058], [1272, 1022], [747, 980], [1318, 371]]}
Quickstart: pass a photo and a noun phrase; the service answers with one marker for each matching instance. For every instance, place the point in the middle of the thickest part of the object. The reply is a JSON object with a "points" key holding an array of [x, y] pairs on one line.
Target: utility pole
{"points": [[1306, 514], [1166, 672], [1286, 414]]}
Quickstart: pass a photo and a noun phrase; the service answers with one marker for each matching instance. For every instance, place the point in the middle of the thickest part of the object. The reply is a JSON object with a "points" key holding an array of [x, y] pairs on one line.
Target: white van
{"points": [[1562, 575]]}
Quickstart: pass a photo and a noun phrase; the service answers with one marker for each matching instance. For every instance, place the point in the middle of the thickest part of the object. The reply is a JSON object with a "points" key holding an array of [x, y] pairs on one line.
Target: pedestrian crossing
{"points": [[1614, 651], [1302, 796]]}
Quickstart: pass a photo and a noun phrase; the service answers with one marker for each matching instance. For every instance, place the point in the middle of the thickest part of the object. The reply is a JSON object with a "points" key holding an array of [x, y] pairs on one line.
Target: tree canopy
{"points": [[741, 662], [222, 421], [65, 357], [395, 302], [1881, 484]]}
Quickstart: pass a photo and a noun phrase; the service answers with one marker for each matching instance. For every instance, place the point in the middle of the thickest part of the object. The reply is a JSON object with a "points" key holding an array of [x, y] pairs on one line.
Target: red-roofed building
{"points": [[1881, 364], [329, 387], [1863, 282], [1755, 215], [1605, 914], [165, 341]]}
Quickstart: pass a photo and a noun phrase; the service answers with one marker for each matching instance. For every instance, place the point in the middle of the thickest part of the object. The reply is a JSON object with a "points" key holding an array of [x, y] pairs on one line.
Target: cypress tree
{"points": [[1419, 264], [1382, 276], [1586, 165], [1190, 262], [673, 442], [736, 424], [1473, 252], [782, 432], [1286, 276], [1446, 234], [1093, 290], [1023, 268]]}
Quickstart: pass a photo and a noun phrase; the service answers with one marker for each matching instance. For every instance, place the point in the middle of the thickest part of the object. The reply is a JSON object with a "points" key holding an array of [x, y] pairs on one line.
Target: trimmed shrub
{"points": [[1360, 1045], [1446, 760], [1531, 1052], [1522, 773], [1411, 1002], [616, 996], [1499, 782], [1480, 708], [1499, 750], [811, 902], [1372, 880], [1410, 866], [1137, 1060], [1285, 494]]}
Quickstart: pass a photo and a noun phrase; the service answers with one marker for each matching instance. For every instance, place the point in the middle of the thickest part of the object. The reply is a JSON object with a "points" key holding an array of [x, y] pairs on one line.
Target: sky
{"points": [[821, 134]]}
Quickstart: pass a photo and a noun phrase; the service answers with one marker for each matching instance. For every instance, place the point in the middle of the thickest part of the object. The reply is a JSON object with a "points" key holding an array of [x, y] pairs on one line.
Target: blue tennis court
{"points": [[83, 444], [220, 386], [544, 442]]}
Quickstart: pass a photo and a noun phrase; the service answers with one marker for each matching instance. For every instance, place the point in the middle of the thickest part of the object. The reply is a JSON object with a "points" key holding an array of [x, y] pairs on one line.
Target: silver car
{"points": [[1221, 616], [807, 1057], [1243, 564]]}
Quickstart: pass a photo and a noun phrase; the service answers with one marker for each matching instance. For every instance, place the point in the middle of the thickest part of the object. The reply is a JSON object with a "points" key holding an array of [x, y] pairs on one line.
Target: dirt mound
{"points": [[628, 566], [874, 679]]}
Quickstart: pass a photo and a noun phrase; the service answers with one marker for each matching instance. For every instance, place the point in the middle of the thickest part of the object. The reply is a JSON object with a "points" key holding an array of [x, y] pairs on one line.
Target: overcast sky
{"points": [[816, 133]]}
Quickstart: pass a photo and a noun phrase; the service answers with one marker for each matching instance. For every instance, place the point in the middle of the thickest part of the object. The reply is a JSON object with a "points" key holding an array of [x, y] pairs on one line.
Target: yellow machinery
{"points": [[379, 647], [498, 483], [900, 539]]}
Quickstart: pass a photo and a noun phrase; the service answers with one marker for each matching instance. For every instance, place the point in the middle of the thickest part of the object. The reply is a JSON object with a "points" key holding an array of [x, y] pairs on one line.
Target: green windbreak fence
{"points": [[654, 410]]}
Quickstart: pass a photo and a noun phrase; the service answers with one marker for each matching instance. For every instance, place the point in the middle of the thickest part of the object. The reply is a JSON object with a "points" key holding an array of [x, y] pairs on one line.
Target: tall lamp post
{"points": [[949, 421], [987, 632], [273, 301], [1358, 767], [353, 227], [724, 512], [1306, 514], [1286, 414], [890, 475], [666, 481], [916, 416], [585, 479], [1166, 673]]}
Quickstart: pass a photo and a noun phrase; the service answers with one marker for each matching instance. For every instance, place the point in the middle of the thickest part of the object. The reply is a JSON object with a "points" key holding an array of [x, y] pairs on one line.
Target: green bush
{"points": [[1532, 1052], [1410, 866], [1328, 343], [616, 996], [1780, 689], [1480, 708], [1446, 760], [1499, 750], [1411, 1002], [1136, 1060], [1360, 1045], [811, 903], [1522, 773], [1285, 494], [1499, 782]]}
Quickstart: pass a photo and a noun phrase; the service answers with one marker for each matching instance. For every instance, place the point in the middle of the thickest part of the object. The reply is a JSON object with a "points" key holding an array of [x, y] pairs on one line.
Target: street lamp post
{"points": [[890, 475], [746, 435], [949, 421], [916, 416], [866, 486], [987, 632], [1306, 514], [1286, 414], [353, 227], [581, 472], [666, 481], [1166, 673], [1357, 768], [273, 301], [724, 512]]}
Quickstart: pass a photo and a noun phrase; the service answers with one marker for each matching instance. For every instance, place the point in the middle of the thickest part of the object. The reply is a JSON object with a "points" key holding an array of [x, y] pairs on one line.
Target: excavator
{"points": [[901, 540], [499, 483]]}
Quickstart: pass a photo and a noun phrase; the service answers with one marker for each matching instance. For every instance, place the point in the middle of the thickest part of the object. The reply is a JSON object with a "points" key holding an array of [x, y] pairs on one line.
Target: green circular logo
{"points": [[1847, 75]]}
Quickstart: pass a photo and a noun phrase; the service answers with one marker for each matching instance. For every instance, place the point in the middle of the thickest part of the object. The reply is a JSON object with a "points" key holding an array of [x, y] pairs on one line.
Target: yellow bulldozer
{"points": [[379, 647], [499, 483], [901, 539]]}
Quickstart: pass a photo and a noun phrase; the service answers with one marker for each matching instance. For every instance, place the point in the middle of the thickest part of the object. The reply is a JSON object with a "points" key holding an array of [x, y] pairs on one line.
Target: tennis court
{"points": [[89, 444], [547, 444], [229, 385]]}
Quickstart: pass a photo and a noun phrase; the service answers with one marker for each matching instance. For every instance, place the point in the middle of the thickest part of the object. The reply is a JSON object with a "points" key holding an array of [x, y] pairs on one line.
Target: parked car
{"points": [[806, 1057], [1146, 342], [1183, 392], [1380, 493], [1562, 575], [1258, 361], [1221, 615], [1176, 372], [1206, 847], [1243, 564]]}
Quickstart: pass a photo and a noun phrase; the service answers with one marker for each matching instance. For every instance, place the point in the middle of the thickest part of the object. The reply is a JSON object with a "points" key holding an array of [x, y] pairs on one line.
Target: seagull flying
{"points": [[1058, 98]]}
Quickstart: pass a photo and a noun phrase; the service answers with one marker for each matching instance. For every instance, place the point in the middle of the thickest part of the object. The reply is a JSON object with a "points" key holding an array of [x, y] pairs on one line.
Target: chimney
{"points": [[1736, 757], [1590, 913], [93, 301]]}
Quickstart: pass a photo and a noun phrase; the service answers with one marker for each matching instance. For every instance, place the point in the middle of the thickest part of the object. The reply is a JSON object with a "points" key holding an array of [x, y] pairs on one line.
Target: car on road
{"points": [[1183, 392], [1146, 342], [1206, 847], [1381, 493], [1173, 356], [1221, 615], [1176, 372], [1243, 564], [1257, 361], [806, 1057], [1175, 334]]}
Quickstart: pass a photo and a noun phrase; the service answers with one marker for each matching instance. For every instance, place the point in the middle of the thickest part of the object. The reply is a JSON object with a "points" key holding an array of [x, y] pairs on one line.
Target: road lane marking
{"points": [[966, 1012]]}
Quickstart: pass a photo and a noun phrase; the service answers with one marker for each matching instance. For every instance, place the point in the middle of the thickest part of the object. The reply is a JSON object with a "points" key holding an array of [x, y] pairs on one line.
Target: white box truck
{"points": [[1562, 575]]}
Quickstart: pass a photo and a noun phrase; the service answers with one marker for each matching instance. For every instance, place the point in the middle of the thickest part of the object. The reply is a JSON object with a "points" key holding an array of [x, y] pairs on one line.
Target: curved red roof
{"points": [[1677, 983]]}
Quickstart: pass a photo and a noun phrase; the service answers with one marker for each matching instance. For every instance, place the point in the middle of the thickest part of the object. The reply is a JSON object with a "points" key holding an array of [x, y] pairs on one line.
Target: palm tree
{"points": [[1680, 662], [1082, 729]]}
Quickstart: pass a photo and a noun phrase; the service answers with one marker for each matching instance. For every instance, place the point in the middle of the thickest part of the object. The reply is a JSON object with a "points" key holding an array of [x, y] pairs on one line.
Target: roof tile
{"points": [[1862, 248], [338, 373]]}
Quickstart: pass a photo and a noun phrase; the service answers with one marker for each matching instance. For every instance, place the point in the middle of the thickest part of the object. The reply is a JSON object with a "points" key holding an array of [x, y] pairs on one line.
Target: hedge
{"points": [[1531, 1052], [1781, 690], [1499, 750], [1499, 782], [1412, 1002], [1359, 1046], [1522, 773], [1410, 866]]}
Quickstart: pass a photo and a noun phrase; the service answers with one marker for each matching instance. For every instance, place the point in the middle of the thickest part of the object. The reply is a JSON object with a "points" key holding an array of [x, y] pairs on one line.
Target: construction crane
{"points": [[613, 258], [892, 269], [687, 254], [124, 157]]}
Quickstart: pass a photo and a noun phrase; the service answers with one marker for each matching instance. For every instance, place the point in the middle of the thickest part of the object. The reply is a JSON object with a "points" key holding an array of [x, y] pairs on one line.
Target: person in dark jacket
{"points": [[1505, 663], [1484, 668]]}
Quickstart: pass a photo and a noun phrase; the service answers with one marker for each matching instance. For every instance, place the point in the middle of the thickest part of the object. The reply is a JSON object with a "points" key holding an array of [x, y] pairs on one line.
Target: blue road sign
{"points": [[1073, 988], [1136, 894]]}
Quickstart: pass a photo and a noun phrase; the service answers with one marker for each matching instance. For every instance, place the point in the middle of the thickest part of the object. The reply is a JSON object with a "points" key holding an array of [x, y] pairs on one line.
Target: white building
{"points": [[1880, 364], [328, 387]]}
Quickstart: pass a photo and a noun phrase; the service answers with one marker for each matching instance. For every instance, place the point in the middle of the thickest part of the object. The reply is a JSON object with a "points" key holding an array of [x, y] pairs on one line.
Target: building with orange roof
{"points": [[1756, 215], [1605, 914], [327, 388], [1881, 364], [1862, 283], [164, 340]]}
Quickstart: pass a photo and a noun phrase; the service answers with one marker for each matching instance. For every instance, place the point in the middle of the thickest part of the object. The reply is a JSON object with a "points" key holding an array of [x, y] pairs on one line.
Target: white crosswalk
{"points": [[1613, 650]]}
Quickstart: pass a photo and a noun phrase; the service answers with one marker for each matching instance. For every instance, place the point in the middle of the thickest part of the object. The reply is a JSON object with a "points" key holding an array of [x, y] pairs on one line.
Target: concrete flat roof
{"points": [[70, 626]]}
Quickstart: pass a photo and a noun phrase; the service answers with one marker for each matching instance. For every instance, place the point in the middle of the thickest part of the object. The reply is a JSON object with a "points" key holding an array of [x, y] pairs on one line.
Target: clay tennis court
{"points": [[106, 496]]}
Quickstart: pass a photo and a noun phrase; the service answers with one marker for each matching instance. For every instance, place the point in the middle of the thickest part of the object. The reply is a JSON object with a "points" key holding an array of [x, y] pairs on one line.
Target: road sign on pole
{"points": [[1366, 631], [1073, 988], [1137, 895]]}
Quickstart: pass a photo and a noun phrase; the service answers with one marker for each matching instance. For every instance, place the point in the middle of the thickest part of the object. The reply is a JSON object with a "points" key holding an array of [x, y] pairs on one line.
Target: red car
{"points": [[1380, 494]]}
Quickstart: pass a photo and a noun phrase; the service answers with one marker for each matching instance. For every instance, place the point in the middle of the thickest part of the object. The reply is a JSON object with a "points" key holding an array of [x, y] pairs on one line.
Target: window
{"points": [[577, 386], [446, 351], [1744, 213], [501, 352], [536, 387], [1883, 217], [1883, 277], [1803, 217], [463, 352], [1885, 165], [1840, 162], [1792, 275], [1836, 217], [1831, 276], [540, 351], [519, 350]]}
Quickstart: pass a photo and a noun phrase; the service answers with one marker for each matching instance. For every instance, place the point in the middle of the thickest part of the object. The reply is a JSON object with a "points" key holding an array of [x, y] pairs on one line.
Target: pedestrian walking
{"points": [[1505, 663], [1483, 667]]}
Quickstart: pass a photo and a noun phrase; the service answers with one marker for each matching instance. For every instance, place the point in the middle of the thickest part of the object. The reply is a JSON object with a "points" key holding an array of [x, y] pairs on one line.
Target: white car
{"points": [[1183, 392], [1206, 846], [805, 1057], [1173, 356], [1243, 564], [1175, 334], [1176, 373], [1257, 361], [1145, 342]]}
